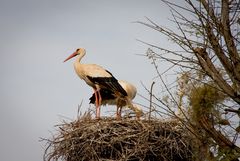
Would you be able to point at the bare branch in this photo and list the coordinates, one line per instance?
(150, 106)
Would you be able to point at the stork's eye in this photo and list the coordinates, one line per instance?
(77, 49)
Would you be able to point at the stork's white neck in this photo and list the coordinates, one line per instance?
(78, 66)
(79, 58)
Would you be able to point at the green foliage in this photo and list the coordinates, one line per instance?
(227, 154)
(203, 99)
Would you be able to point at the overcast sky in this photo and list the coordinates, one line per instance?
(38, 89)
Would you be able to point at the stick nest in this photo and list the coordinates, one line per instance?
(87, 139)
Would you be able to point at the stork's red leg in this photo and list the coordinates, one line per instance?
(97, 104)
(119, 111)
(99, 98)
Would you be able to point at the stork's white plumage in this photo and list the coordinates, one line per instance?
(97, 77)
(109, 98)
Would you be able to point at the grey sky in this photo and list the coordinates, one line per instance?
(37, 87)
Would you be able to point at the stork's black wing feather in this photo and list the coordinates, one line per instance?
(109, 83)
(105, 94)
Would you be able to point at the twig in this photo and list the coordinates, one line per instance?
(151, 94)
(232, 110)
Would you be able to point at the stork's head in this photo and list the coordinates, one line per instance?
(138, 110)
(79, 51)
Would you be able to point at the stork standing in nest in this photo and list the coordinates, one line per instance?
(109, 98)
(97, 77)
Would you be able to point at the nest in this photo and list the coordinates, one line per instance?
(87, 139)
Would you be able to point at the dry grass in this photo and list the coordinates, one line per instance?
(87, 139)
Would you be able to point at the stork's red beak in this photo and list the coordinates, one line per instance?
(71, 56)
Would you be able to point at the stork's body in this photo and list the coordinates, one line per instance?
(96, 77)
(108, 97)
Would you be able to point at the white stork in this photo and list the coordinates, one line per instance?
(97, 77)
(108, 97)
